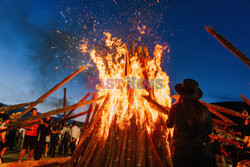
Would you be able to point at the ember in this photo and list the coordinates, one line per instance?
(125, 130)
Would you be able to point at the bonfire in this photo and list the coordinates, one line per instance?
(125, 129)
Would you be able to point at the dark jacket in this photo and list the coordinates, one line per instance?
(191, 144)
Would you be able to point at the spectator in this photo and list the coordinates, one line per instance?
(21, 134)
(64, 142)
(43, 132)
(193, 124)
(30, 137)
(75, 134)
(54, 139)
(3, 136)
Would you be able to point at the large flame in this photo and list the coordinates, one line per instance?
(126, 75)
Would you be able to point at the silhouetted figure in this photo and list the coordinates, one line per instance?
(192, 123)
(54, 140)
(75, 134)
(43, 131)
(64, 142)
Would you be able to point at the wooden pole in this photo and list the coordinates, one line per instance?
(26, 124)
(43, 97)
(222, 109)
(242, 97)
(82, 100)
(64, 101)
(91, 108)
(229, 45)
(220, 122)
(90, 129)
(221, 116)
(159, 162)
(56, 111)
(156, 106)
(70, 117)
(15, 106)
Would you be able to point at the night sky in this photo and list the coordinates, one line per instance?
(39, 44)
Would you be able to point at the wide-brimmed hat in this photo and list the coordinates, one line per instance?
(189, 89)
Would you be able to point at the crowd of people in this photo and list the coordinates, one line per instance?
(43, 139)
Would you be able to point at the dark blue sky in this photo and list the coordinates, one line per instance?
(39, 40)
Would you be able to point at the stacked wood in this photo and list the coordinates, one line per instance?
(132, 145)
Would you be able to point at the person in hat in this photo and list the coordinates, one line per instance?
(192, 124)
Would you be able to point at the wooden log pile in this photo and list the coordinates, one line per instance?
(133, 145)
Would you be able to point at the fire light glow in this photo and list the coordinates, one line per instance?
(125, 104)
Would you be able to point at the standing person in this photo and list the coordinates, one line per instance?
(64, 142)
(75, 134)
(43, 132)
(192, 124)
(21, 134)
(3, 136)
(54, 139)
(11, 138)
(30, 137)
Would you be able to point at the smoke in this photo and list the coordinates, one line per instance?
(56, 102)
(52, 51)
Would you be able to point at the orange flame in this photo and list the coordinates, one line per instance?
(123, 69)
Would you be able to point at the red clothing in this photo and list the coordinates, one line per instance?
(32, 130)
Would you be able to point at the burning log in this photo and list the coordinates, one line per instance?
(16, 106)
(156, 106)
(43, 97)
(159, 162)
(76, 155)
(229, 45)
(56, 111)
(90, 110)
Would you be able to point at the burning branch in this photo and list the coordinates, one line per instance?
(156, 106)
(229, 45)
(43, 97)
